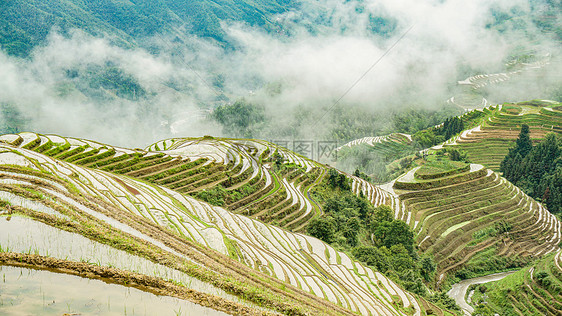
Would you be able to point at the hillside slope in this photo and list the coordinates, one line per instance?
(271, 184)
(387, 143)
(534, 290)
(239, 175)
(467, 215)
(492, 131)
(287, 272)
(481, 212)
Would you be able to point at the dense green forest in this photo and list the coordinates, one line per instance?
(26, 24)
(12, 120)
(241, 119)
(537, 170)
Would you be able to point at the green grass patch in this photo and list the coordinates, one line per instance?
(440, 168)
(487, 262)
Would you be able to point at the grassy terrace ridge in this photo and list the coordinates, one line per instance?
(489, 142)
(259, 263)
(244, 176)
(466, 216)
(438, 169)
(432, 177)
(534, 290)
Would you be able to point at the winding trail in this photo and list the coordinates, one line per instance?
(458, 291)
(409, 176)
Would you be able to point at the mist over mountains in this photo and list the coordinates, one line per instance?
(133, 72)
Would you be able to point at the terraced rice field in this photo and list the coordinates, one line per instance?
(534, 290)
(119, 223)
(149, 198)
(488, 143)
(468, 101)
(454, 217)
(379, 195)
(482, 80)
(190, 166)
(31, 292)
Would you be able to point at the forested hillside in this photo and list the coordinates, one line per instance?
(26, 24)
(537, 170)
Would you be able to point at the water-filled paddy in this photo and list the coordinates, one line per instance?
(24, 235)
(34, 292)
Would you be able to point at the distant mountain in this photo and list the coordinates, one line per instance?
(24, 24)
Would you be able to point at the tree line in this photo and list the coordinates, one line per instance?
(537, 170)
(436, 135)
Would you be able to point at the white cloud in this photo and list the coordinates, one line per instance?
(314, 68)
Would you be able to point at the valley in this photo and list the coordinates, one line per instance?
(280, 157)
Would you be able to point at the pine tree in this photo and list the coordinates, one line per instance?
(523, 143)
(510, 164)
(553, 199)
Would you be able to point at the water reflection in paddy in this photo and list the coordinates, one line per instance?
(24, 235)
(33, 292)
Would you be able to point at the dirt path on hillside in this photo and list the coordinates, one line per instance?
(409, 176)
(458, 291)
